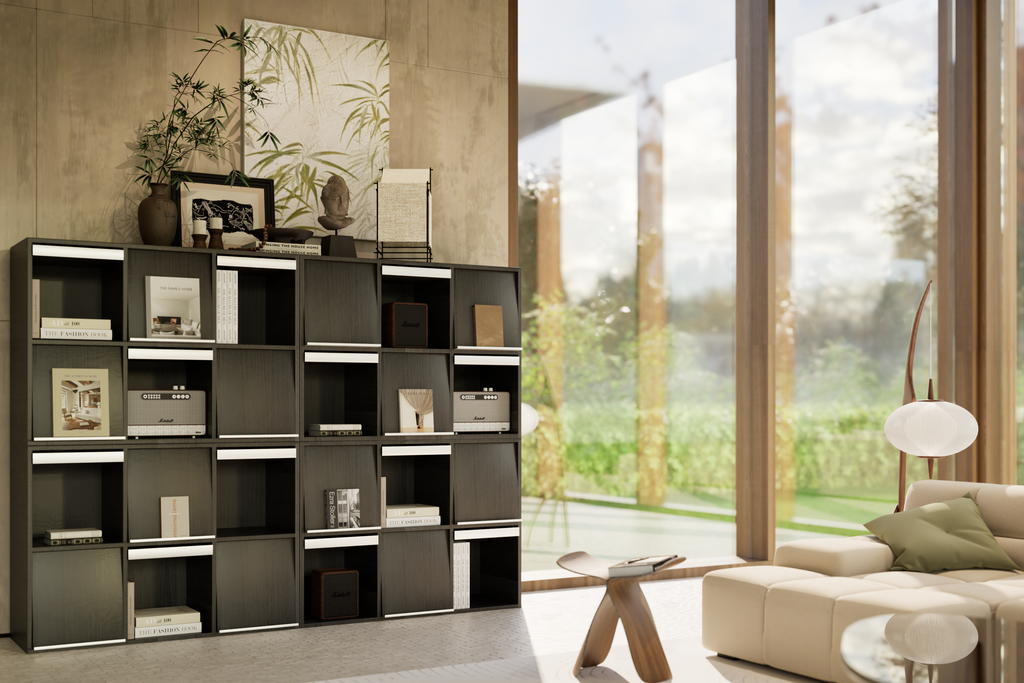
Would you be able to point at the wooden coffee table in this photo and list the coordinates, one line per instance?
(624, 600)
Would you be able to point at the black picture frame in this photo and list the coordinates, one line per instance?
(213, 180)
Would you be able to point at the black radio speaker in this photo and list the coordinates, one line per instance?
(405, 325)
(335, 593)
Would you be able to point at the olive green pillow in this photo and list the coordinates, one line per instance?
(941, 536)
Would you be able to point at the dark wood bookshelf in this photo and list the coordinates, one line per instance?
(255, 480)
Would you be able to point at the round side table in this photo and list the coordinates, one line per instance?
(624, 600)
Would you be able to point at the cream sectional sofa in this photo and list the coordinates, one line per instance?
(791, 615)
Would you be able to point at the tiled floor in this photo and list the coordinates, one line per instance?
(537, 643)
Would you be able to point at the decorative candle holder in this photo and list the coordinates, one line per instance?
(216, 242)
(199, 241)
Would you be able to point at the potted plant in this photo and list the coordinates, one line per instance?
(195, 123)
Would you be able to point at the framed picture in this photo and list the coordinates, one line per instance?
(241, 208)
(79, 400)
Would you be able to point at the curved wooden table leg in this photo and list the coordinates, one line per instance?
(644, 643)
(600, 636)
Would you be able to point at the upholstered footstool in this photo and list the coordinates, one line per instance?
(854, 607)
(734, 626)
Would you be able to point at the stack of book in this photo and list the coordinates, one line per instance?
(166, 621)
(341, 509)
(73, 536)
(461, 575)
(74, 328)
(227, 306)
(335, 430)
(413, 514)
(291, 248)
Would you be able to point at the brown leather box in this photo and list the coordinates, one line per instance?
(335, 593)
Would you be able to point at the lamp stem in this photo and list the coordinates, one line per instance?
(908, 391)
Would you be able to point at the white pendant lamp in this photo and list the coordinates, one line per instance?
(931, 429)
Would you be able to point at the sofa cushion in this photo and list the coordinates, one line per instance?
(938, 536)
(994, 593)
(836, 556)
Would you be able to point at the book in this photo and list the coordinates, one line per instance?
(172, 307)
(415, 410)
(331, 509)
(414, 521)
(35, 309)
(289, 248)
(487, 323)
(74, 533)
(639, 566)
(233, 306)
(348, 509)
(78, 400)
(75, 333)
(461, 577)
(333, 427)
(90, 540)
(130, 621)
(336, 432)
(76, 323)
(383, 502)
(165, 616)
(412, 510)
(170, 630)
(174, 521)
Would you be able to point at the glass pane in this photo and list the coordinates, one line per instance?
(627, 243)
(856, 143)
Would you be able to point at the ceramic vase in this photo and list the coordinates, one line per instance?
(158, 216)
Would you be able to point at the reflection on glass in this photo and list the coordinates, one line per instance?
(627, 243)
(856, 218)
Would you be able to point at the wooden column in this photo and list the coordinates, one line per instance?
(785, 316)
(755, 279)
(513, 133)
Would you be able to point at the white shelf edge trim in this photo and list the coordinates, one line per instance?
(89, 644)
(409, 271)
(174, 340)
(256, 628)
(170, 354)
(493, 521)
(254, 453)
(259, 436)
(79, 439)
(470, 534)
(79, 252)
(418, 436)
(417, 614)
(180, 538)
(341, 542)
(76, 458)
(327, 357)
(486, 360)
(353, 344)
(171, 551)
(335, 531)
(488, 348)
(442, 449)
(265, 263)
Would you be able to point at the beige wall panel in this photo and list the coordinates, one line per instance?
(457, 124)
(115, 10)
(5, 480)
(230, 13)
(19, 3)
(18, 140)
(469, 35)
(95, 88)
(355, 17)
(407, 31)
(80, 7)
(177, 14)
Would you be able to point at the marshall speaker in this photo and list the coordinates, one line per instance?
(167, 413)
(335, 593)
(480, 411)
(405, 325)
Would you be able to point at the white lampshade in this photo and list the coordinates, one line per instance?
(931, 429)
(530, 418)
(931, 638)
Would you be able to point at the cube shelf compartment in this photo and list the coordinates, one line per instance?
(309, 351)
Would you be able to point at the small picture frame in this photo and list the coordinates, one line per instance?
(79, 403)
(416, 411)
(241, 207)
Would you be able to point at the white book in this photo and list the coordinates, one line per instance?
(220, 307)
(165, 616)
(234, 306)
(412, 510)
(80, 323)
(87, 532)
(35, 309)
(174, 521)
(75, 333)
(173, 307)
(172, 630)
(414, 521)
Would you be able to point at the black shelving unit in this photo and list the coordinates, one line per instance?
(309, 351)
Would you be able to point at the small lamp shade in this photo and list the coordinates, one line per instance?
(931, 429)
(931, 638)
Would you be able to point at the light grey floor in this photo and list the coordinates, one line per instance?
(537, 643)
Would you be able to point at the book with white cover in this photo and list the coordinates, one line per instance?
(80, 406)
(174, 517)
(169, 630)
(414, 521)
(172, 307)
(86, 532)
(163, 616)
(412, 510)
(77, 323)
(75, 333)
